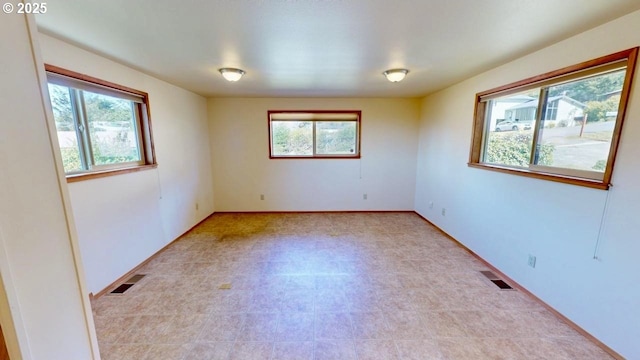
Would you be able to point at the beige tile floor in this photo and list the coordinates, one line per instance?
(325, 286)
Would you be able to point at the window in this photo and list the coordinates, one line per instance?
(102, 128)
(314, 134)
(562, 126)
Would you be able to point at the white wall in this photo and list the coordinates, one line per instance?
(504, 217)
(242, 168)
(124, 219)
(48, 316)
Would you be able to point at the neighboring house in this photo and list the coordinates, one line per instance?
(559, 108)
(500, 106)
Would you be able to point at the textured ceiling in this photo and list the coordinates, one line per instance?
(320, 47)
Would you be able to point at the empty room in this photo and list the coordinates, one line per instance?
(320, 179)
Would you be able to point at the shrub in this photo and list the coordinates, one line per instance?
(600, 165)
(70, 158)
(515, 149)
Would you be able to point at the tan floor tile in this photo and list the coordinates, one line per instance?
(210, 351)
(259, 327)
(408, 325)
(445, 324)
(124, 352)
(145, 330)
(370, 325)
(249, 350)
(296, 301)
(541, 349)
(580, 348)
(376, 350)
(333, 300)
(222, 327)
(295, 327)
(333, 326)
(501, 349)
(394, 300)
(334, 350)
(110, 328)
(419, 349)
(167, 352)
(462, 349)
(293, 351)
(182, 329)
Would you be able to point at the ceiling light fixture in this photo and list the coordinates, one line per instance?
(395, 75)
(231, 74)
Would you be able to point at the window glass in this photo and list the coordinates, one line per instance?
(292, 138)
(511, 120)
(112, 129)
(336, 137)
(314, 134)
(580, 126)
(64, 117)
(102, 127)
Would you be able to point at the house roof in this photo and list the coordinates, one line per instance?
(534, 103)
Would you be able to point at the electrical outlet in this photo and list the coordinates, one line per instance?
(532, 261)
(261, 196)
(431, 205)
(364, 196)
(444, 211)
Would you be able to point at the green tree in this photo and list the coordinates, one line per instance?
(597, 110)
(293, 138)
(336, 137)
(61, 105)
(590, 89)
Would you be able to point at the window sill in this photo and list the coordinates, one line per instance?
(113, 172)
(544, 176)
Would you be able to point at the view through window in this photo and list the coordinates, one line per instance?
(314, 134)
(99, 128)
(564, 124)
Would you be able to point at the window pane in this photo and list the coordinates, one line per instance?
(336, 137)
(579, 123)
(510, 123)
(292, 138)
(112, 129)
(63, 116)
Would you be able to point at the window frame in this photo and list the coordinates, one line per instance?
(142, 117)
(557, 174)
(315, 117)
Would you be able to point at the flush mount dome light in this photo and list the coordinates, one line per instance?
(231, 74)
(395, 75)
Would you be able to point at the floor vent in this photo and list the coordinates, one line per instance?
(502, 285)
(496, 280)
(121, 289)
(127, 284)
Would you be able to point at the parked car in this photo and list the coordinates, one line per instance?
(509, 125)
